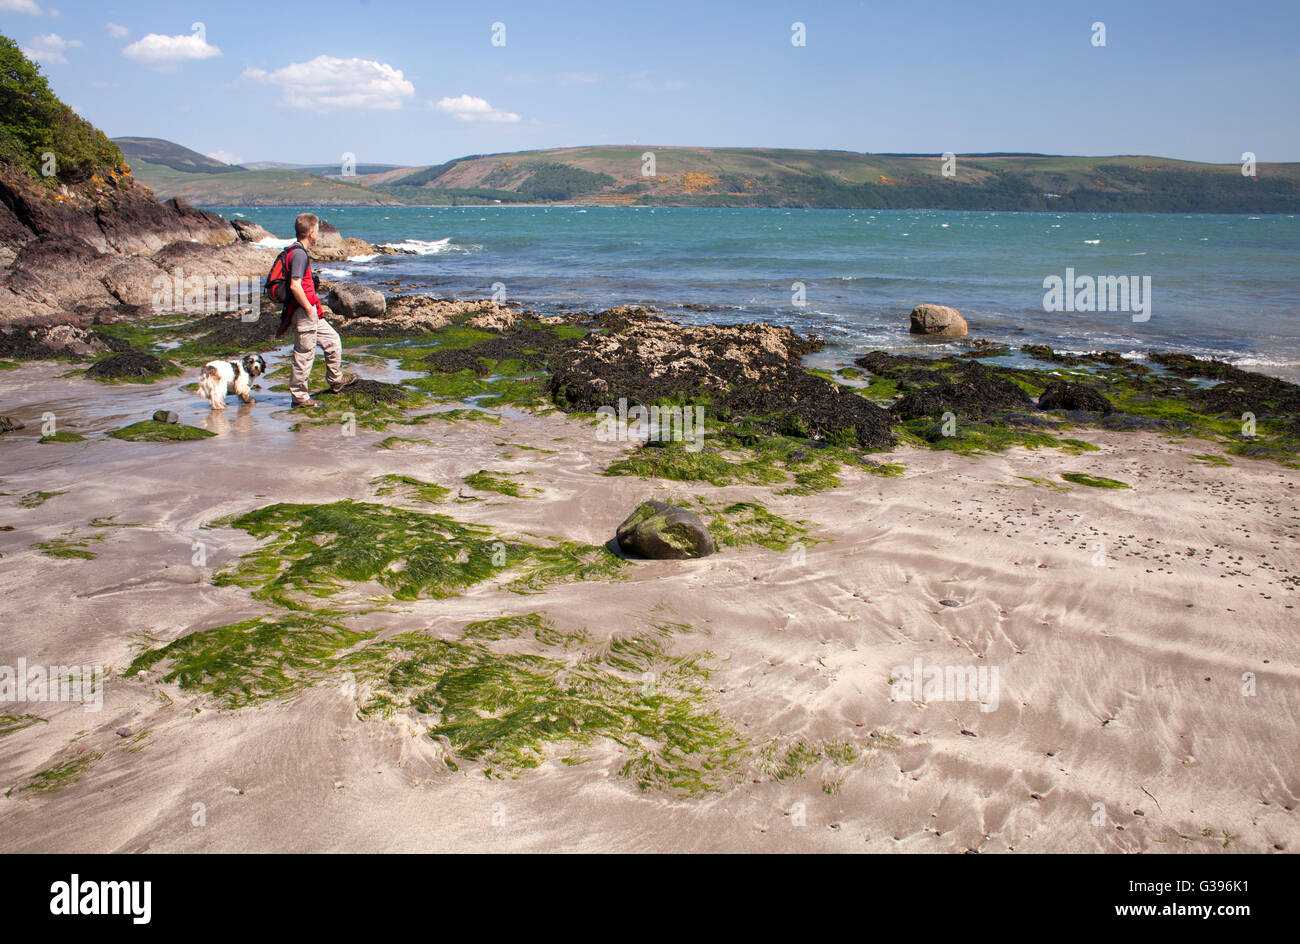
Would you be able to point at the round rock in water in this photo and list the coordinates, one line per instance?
(938, 321)
(661, 531)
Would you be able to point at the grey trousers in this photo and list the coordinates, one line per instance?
(310, 331)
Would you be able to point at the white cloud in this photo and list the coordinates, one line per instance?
(20, 6)
(166, 53)
(50, 48)
(645, 82)
(116, 31)
(225, 157)
(327, 82)
(469, 108)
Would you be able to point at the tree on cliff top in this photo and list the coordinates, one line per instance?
(34, 122)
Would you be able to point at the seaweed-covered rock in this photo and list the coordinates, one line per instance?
(976, 393)
(1042, 352)
(56, 341)
(153, 431)
(131, 365)
(751, 371)
(370, 393)
(661, 531)
(938, 321)
(1065, 395)
(532, 347)
(8, 424)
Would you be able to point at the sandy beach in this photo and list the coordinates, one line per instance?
(1142, 640)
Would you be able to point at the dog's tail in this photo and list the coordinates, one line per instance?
(209, 378)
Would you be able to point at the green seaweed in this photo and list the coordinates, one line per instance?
(154, 431)
(746, 523)
(410, 488)
(317, 550)
(59, 775)
(676, 462)
(1093, 481)
(62, 436)
(508, 713)
(36, 499)
(66, 548)
(547, 694)
(270, 657)
(12, 723)
(485, 480)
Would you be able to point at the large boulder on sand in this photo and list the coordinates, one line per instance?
(938, 321)
(659, 530)
(356, 301)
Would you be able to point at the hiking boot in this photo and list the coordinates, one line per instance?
(305, 404)
(347, 381)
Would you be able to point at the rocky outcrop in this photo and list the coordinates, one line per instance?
(494, 318)
(111, 216)
(660, 531)
(251, 232)
(82, 254)
(132, 281)
(975, 393)
(410, 314)
(745, 372)
(57, 341)
(1064, 395)
(229, 261)
(352, 300)
(60, 272)
(938, 321)
(130, 365)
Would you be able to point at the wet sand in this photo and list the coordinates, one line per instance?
(1121, 623)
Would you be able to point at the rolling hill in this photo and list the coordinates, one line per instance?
(745, 177)
(172, 170)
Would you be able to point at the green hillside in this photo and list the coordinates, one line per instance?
(798, 178)
(239, 187)
(34, 124)
(751, 177)
(158, 151)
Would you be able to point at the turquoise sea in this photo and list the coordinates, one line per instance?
(1221, 285)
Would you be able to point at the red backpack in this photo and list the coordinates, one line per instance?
(277, 286)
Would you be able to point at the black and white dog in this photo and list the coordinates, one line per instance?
(219, 376)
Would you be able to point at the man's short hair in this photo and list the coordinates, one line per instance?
(304, 224)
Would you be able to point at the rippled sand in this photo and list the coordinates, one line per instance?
(1120, 623)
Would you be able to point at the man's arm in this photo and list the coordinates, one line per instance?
(295, 286)
(298, 269)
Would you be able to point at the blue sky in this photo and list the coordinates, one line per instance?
(420, 83)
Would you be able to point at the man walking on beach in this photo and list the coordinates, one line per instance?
(309, 325)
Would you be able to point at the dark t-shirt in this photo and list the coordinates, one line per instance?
(297, 262)
(298, 270)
